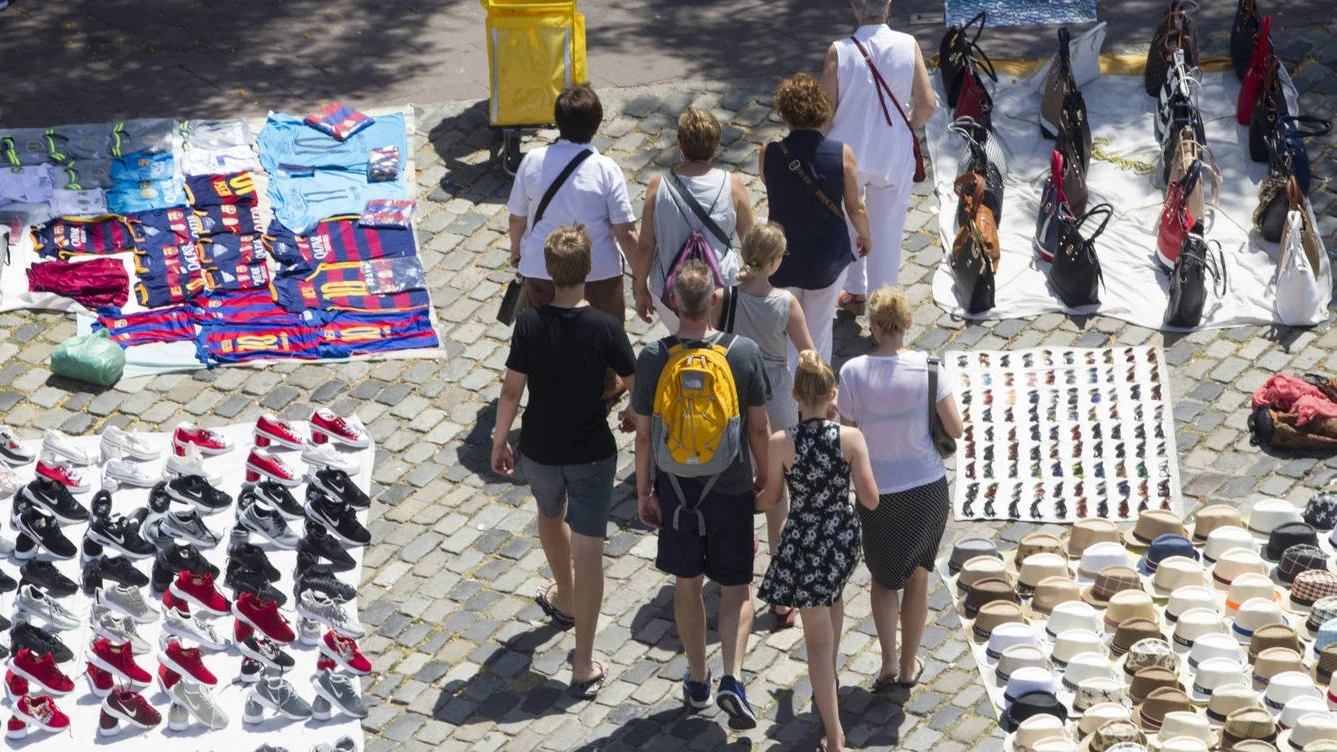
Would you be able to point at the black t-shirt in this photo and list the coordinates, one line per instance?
(565, 352)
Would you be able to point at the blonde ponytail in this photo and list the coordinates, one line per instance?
(814, 381)
(762, 245)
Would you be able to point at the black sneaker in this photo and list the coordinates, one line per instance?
(243, 580)
(101, 506)
(159, 501)
(44, 575)
(319, 544)
(321, 579)
(336, 484)
(253, 558)
(120, 534)
(92, 578)
(277, 497)
(7, 583)
(182, 556)
(337, 517)
(43, 530)
(57, 499)
(120, 570)
(266, 652)
(196, 491)
(39, 641)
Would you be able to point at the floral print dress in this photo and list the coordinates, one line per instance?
(822, 538)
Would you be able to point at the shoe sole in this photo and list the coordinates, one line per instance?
(739, 719)
(333, 655)
(172, 666)
(20, 672)
(116, 674)
(196, 602)
(276, 439)
(259, 472)
(319, 620)
(314, 514)
(16, 460)
(321, 436)
(334, 703)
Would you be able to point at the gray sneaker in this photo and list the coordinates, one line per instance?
(199, 702)
(126, 600)
(342, 744)
(278, 695)
(192, 627)
(341, 691)
(118, 628)
(186, 525)
(35, 603)
(317, 606)
(267, 523)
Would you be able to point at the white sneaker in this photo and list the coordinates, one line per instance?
(63, 447)
(129, 473)
(9, 482)
(12, 450)
(191, 464)
(117, 444)
(325, 455)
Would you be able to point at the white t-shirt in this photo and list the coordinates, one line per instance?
(595, 195)
(888, 397)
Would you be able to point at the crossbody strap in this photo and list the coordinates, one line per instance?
(932, 390)
(730, 306)
(701, 213)
(557, 184)
(796, 167)
(882, 86)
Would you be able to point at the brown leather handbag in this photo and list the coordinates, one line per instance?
(1187, 151)
(1277, 197)
(970, 195)
(1177, 30)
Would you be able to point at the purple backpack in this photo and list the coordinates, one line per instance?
(696, 246)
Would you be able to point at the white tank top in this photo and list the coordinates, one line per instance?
(881, 150)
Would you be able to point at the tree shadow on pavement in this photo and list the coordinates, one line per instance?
(457, 139)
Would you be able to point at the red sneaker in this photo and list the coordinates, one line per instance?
(264, 616)
(198, 590)
(261, 464)
(343, 651)
(207, 442)
(107, 725)
(171, 601)
(119, 661)
(62, 473)
(101, 681)
(15, 686)
(37, 712)
(41, 671)
(132, 708)
(270, 429)
(325, 425)
(185, 662)
(167, 679)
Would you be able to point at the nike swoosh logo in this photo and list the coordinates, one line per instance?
(42, 497)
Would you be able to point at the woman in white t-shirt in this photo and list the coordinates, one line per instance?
(885, 394)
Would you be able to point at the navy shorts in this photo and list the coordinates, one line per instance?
(585, 490)
(723, 551)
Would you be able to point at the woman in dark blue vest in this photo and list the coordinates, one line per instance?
(812, 185)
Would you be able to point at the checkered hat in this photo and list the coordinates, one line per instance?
(1324, 609)
(1321, 511)
(1300, 558)
(1309, 587)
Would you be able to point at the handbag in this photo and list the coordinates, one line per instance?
(983, 157)
(1183, 85)
(1176, 220)
(944, 443)
(884, 88)
(1074, 129)
(972, 273)
(1243, 36)
(1270, 106)
(1253, 77)
(1083, 57)
(1188, 281)
(1288, 144)
(1059, 82)
(1075, 272)
(1304, 274)
(972, 211)
(1188, 151)
(975, 101)
(1184, 114)
(796, 167)
(1053, 210)
(1177, 31)
(955, 50)
(1073, 178)
(1279, 195)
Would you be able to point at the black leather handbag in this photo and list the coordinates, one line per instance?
(1074, 128)
(1053, 210)
(985, 156)
(1188, 281)
(1270, 106)
(1183, 112)
(1243, 35)
(973, 272)
(1075, 272)
(958, 45)
(1288, 144)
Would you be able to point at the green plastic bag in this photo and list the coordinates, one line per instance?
(89, 357)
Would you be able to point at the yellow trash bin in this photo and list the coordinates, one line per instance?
(534, 49)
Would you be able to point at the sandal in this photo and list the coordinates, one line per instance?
(785, 620)
(589, 689)
(544, 598)
(884, 685)
(919, 672)
(855, 304)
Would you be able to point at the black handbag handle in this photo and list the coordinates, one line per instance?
(1064, 51)
(1188, 183)
(981, 17)
(1295, 125)
(987, 67)
(1107, 210)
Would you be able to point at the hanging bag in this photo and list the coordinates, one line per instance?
(1053, 210)
(954, 52)
(1188, 281)
(696, 247)
(1075, 272)
(1243, 36)
(1304, 273)
(1253, 77)
(883, 88)
(1058, 84)
(942, 441)
(1074, 178)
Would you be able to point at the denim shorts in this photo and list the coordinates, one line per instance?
(585, 490)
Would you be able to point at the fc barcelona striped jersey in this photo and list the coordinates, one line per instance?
(129, 330)
(338, 240)
(393, 284)
(67, 236)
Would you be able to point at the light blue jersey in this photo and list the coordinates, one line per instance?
(287, 144)
(300, 202)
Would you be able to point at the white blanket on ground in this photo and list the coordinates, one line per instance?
(1136, 288)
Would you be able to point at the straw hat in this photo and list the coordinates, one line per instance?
(1165, 547)
(965, 549)
(1213, 673)
(1151, 524)
(1099, 556)
(980, 568)
(1020, 656)
(1128, 604)
(1026, 680)
(1181, 724)
(1087, 532)
(1214, 645)
(1071, 643)
(1297, 560)
(1249, 585)
(1212, 517)
(1274, 661)
(1037, 543)
(1038, 567)
(992, 615)
(1049, 593)
(1029, 705)
(1308, 588)
(1248, 723)
(1191, 596)
(1132, 631)
(1324, 609)
(1008, 635)
(1112, 733)
(1325, 666)
(1109, 581)
(1223, 539)
(1101, 713)
(1148, 680)
(1233, 563)
(1150, 653)
(1229, 698)
(1073, 615)
(1035, 729)
(1267, 514)
(1150, 714)
(1298, 706)
(1309, 728)
(1193, 624)
(1085, 666)
(1285, 686)
(984, 591)
(1176, 572)
(1255, 613)
(1274, 636)
(1096, 690)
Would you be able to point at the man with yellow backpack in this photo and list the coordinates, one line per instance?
(700, 411)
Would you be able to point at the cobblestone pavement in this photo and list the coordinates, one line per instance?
(463, 657)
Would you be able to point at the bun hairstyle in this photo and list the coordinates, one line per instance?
(889, 310)
(814, 381)
(762, 244)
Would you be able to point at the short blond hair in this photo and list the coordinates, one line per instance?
(889, 310)
(698, 134)
(762, 244)
(566, 254)
(814, 381)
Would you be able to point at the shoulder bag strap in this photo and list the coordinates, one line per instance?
(796, 167)
(932, 389)
(882, 86)
(730, 305)
(681, 189)
(556, 184)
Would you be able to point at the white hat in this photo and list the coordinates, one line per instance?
(1038, 566)
(1072, 642)
(1073, 615)
(1286, 686)
(1100, 714)
(1223, 539)
(1234, 563)
(1193, 624)
(1267, 514)
(1100, 556)
(1018, 656)
(1055, 744)
(1308, 728)
(1005, 636)
(1254, 613)
(1181, 724)
(1211, 674)
(1192, 596)
(1215, 645)
(1298, 706)
(1176, 572)
(1033, 729)
(1095, 691)
(1249, 585)
(1029, 679)
(1085, 666)
(1331, 694)
(1182, 744)
(1128, 604)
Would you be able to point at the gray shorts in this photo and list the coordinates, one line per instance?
(585, 490)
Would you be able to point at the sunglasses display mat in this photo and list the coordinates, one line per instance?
(1060, 434)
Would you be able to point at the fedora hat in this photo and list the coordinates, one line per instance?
(965, 549)
(1213, 516)
(1101, 713)
(1030, 705)
(1274, 636)
(1299, 559)
(1151, 653)
(1180, 724)
(1113, 733)
(1073, 642)
(1267, 515)
(1073, 615)
(1308, 728)
(985, 591)
(1213, 673)
(1109, 581)
(1298, 706)
(1028, 679)
(1224, 539)
(1325, 665)
(1191, 596)
(1132, 631)
(1100, 556)
(1096, 690)
(1150, 713)
(1151, 524)
(1038, 567)
(1234, 563)
(1321, 511)
(1248, 586)
(1248, 723)
(1085, 666)
(991, 616)
(1035, 729)
(1088, 532)
(1331, 694)
(1214, 645)
(1164, 547)
(1036, 543)
(1274, 661)
(1182, 744)
(1253, 614)
(1309, 587)
(1176, 572)
(981, 568)
(1128, 604)
(1322, 745)
(1229, 698)
(1288, 534)
(1323, 610)
(1049, 594)
(1020, 656)
(1193, 624)
(1148, 680)
(1007, 635)
(1285, 686)
(1326, 635)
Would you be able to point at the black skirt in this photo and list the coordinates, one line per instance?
(904, 532)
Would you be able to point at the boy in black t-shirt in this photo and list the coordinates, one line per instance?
(561, 352)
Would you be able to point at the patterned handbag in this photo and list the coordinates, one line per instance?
(1243, 36)
(1184, 113)
(1177, 30)
(1183, 85)
(972, 211)
(1279, 195)
(1176, 219)
(984, 157)
(1187, 152)
(957, 46)
(1053, 210)
(1253, 77)
(1075, 272)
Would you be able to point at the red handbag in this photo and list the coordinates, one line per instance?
(1253, 78)
(1176, 218)
(974, 101)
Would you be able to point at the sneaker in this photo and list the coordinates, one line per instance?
(119, 661)
(40, 670)
(117, 627)
(100, 683)
(205, 441)
(9, 482)
(8, 583)
(695, 694)
(44, 575)
(152, 532)
(319, 607)
(121, 534)
(127, 473)
(43, 535)
(317, 544)
(320, 578)
(277, 496)
(101, 505)
(253, 558)
(186, 524)
(199, 702)
(131, 708)
(179, 556)
(185, 661)
(58, 447)
(326, 426)
(56, 498)
(341, 692)
(270, 429)
(190, 463)
(240, 580)
(264, 616)
(267, 652)
(732, 700)
(31, 602)
(198, 590)
(344, 743)
(338, 518)
(118, 444)
(198, 492)
(264, 521)
(11, 449)
(337, 484)
(120, 570)
(36, 712)
(192, 627)
(24, 635)
(278, 695)
(343, 651)
(127, 600)
(63, 473)
(325, 455)
(262, 464)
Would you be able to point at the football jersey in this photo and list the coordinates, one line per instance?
(221, 250)
(137, 168)
(238, 219)
(87, 203)
(83, 174)
(216, 190)
(150, 134)
(338, 240)
(229, 343)
(162, 227)
(129, 198)
(242, 307)
(176, 290)
(26, 185)
(70, 142)
(25, 146)
(66, 236)
(343, 334)
(380, 285)
(163, 262)
(217, 147)
(290, 145)
(128, 330)
(236, 277)
(301, 202)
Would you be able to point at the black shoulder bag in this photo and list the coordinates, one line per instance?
(729, 314)
(945, 444)
(1075, 272)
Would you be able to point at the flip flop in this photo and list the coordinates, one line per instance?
(855, 304)
(882, 686)
(589, 689)
(544, 598)
(919, 672)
